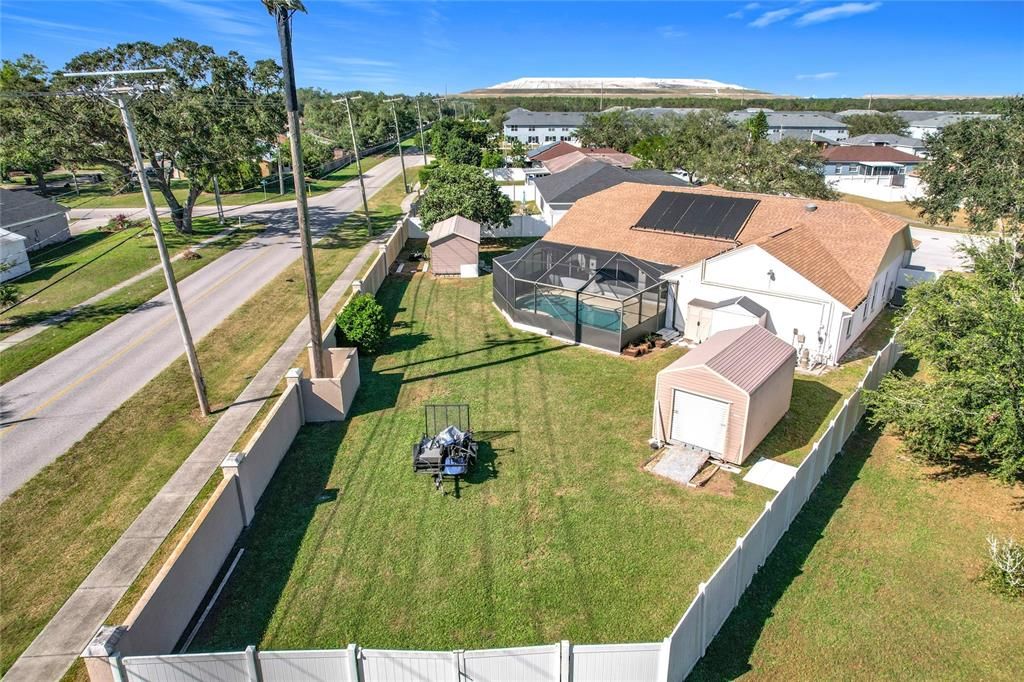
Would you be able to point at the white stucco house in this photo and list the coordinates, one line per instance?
(816, 274)
(534, 128)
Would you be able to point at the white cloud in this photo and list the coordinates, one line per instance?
(359, 61)
(847, 9)
(751, 5)
(823, 76)
(671, 32)
(223, 19)
(775, 15)
(738, 14)
(43, 23)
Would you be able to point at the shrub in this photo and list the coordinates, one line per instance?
(1005, 571)
(363, 324)
(117, 223)
(426, 171)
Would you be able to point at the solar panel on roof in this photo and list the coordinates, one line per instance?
(700, 215)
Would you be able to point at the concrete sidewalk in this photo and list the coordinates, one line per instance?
(70, 630)
(29, 332)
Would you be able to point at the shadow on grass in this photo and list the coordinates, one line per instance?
(730, 653)
(810, 406)
(272, 542)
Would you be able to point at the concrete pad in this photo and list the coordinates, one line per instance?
(679, 464)
(64, 634)
(770, 474)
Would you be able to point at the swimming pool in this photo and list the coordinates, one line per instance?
(564, 308)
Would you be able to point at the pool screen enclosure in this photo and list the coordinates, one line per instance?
(599, 298)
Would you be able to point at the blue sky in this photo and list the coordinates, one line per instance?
(811, 48)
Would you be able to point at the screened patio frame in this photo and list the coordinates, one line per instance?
(600, 298)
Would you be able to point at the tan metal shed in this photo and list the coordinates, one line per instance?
(454, 246)
(724, 396)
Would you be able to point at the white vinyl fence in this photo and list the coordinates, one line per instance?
(668, 661)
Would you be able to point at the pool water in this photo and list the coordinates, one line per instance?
(564, 308)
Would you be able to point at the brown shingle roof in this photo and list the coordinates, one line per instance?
(838, 247)
(554, 151)
(856, 153)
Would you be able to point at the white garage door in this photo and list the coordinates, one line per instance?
(699, 421)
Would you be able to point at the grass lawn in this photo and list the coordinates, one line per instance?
(57, 526)
(559, 534)
(384, 207)
(902, 209)
(99, 196)
(878, 578)
(135, 256)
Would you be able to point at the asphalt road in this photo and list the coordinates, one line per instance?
(48, 409)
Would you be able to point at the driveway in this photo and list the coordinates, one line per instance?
(937, 250)
(48, 409)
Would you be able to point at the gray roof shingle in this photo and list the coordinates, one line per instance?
(591, 176)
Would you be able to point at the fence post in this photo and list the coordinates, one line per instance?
(564, 657)
(664, 654)
(102, 660)
(460, 664)
(293, 377)
(352, 663)
(702, 628)
(739, 572)
(250, 664)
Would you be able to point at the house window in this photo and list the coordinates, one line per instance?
(563, 138)
(864, 313)
(531, 129)
(849, 327)
(532, 139)
(549, 138)
(565, 130)
(514, 128)
(874, 293)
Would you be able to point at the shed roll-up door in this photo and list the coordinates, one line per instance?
(699, 421)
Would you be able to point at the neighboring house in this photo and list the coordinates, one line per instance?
(534, 128)
(903, 143)
(602, 154)
(846, 113)
(821, 271)
(558, 192)
(878, 172)
(42, 222)
(454, 247)
(13, 255)
(551, 152)
(662, 112)
(801, 125)
(921, 128)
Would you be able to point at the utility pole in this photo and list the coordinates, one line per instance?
(359, 166)
(423, 140)
(220, 206)
(282, 11)
(118, 94)
(398, 138)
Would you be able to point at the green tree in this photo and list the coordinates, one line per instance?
(617, 128)
(492, 158)
(757, 126)
(977, 165)
(363, 323)
(30, 138)
(877, 124)
(315, 152)
(517, 154)
(214, 112)
(467, 191)
(968, 331)
(461, 151)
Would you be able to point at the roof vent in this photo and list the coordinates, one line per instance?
(810, 208)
